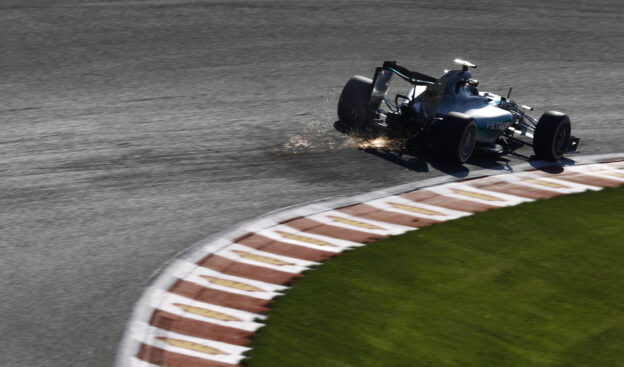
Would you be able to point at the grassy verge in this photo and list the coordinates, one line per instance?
(540, 284)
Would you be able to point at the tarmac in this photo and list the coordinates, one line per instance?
(133, 130)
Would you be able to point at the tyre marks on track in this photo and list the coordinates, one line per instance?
(208, 313)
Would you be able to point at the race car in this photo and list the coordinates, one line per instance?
(450, 114)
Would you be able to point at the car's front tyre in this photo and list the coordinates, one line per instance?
(552, 136)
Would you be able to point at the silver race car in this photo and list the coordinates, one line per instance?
(450, 114)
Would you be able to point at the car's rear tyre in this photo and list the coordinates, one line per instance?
(456, 137)
(353, 104)
(552, 136)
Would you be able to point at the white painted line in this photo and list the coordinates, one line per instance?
(466, 192)
(397, 204)
(537, 181)
(616, 165)
(347, 221)
(290, 235)
(247, 255)
(599, 170)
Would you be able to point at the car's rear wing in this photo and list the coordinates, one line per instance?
(412, 77)
(383, 74)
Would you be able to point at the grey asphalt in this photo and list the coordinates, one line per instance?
(130, 130)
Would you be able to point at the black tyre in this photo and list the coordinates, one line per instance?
(456, 137)
(353, 104)
(552, 136)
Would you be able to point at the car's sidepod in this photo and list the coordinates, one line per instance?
(459, 97)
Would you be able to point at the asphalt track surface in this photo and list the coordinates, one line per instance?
(132, 130)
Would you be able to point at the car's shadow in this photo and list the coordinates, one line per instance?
(424, 160)
(553, 167)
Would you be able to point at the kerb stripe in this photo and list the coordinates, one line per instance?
(242, 270)
(370, 212)
(219, 297)
(166, 358)
(262, 243)
(199, 329)
(312, 226)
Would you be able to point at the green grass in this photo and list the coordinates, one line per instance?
(539, 284)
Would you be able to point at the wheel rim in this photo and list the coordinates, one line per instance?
(468, 142)
(562, 136)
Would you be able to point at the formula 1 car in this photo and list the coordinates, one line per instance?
(450, 114)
